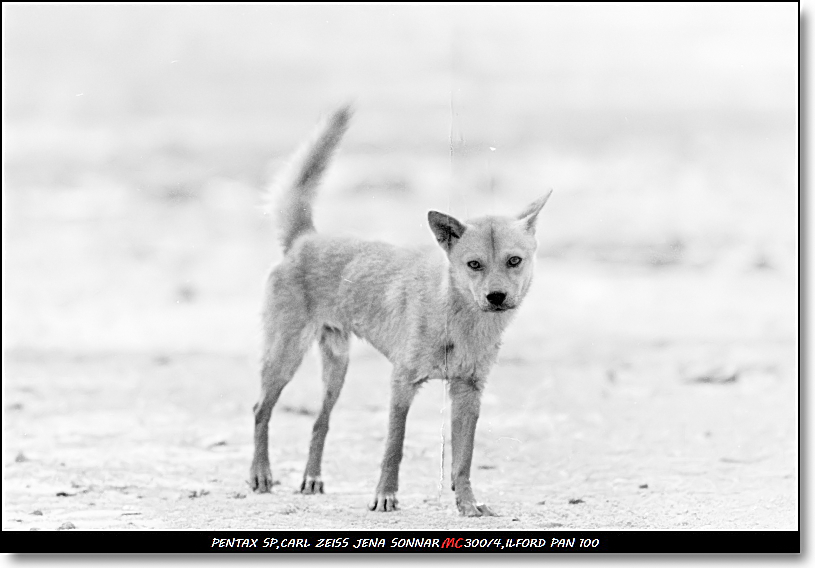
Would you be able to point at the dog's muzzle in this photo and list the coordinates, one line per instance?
(497, 302)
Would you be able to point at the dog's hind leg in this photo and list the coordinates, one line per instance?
(334, 345)
(402, 392)
(284, 353)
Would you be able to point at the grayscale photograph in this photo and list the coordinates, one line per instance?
(410, 267)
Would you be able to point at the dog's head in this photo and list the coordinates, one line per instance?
(491, 258)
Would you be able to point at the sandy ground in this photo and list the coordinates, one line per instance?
(141, 442)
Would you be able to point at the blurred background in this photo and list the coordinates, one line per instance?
(660, 335)
(138, 139)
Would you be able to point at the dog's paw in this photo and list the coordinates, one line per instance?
(311, 485)
(473, 509)
(260, 478)
(384, 503)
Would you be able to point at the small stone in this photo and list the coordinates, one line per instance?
(186, 293)
(37, 512)
(162, 360)
(66, 526)
(716, 375)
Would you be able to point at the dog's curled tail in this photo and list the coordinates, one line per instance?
(295, 185)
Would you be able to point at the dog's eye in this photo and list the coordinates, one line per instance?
(474, 264)
(514, 261)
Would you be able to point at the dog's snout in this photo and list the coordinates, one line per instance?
(496, 298)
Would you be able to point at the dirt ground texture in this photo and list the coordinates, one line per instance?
(649, 380)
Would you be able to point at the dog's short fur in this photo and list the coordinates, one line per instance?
(434, 316)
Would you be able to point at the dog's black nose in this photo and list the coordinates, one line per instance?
(496, 298)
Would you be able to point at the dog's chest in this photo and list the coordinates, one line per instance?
(465, 352)
(463, 362)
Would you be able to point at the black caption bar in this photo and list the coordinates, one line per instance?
(438, 542)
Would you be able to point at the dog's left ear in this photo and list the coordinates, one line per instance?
(529, 216)
(448, 230)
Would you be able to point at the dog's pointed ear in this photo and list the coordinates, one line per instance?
(448, 230)
(529, 216)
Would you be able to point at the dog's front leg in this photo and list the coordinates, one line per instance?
(402, 393)
(466, 404)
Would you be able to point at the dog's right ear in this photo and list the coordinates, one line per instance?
(448, 230)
